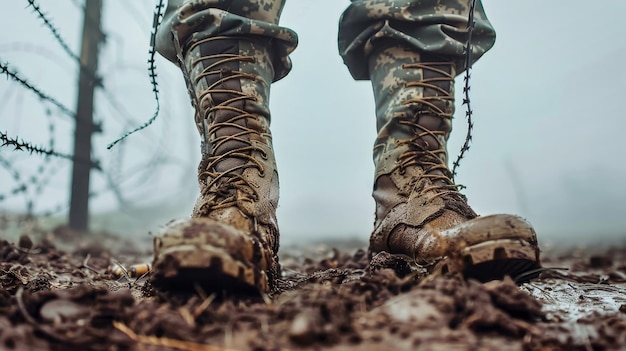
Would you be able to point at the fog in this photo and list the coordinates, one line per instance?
(547, 144)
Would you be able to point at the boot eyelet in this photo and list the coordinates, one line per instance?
(261, 172)
(264, 155)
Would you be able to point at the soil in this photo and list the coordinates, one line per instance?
(58, 293)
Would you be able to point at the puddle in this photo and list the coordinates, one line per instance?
(571, 301)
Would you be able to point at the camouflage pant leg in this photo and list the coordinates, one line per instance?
(434, 26)
(193, 20)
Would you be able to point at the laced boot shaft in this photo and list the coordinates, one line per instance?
(230, 80)
(413, 185)
(419, 210)
(232, 236)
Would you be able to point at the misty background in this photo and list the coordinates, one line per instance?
(548, 108)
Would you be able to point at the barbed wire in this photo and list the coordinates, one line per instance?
(39, 180)
(466, 88)
(25, 184)
(22, 145)
(20, 188)
(48, 23)
(17, 178)
(55, 33)
(156, 21)
(40, 50)
(33, 184)
(14, 75)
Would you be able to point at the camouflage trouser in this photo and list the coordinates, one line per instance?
(434, 26)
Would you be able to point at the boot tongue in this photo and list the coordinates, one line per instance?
(238, 101)
(230, 143)
(226, 138)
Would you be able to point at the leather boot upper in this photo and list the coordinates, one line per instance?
(235, 215)
(414, 191)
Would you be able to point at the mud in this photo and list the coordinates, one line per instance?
(59, 295)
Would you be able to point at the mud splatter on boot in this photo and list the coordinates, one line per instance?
(419, 210)
(231, 241)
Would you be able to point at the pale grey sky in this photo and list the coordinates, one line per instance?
(547, 100)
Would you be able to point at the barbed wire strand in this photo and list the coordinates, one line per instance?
(40, 50)
(22, 145)
(158, 16)
(14, 75)
(37, 180)
(466, 89)
(55, 32)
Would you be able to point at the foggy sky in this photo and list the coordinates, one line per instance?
(547, 99)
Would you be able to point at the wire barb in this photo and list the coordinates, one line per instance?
(22, 145)
(158, 16)
(14, 75)
(466, 88)
(48, 23)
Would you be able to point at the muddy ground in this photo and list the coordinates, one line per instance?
(57, 293)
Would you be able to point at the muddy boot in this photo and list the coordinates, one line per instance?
(231, 241)
(419, 210)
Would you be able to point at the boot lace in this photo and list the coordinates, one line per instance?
(226, 188)
(431, 158)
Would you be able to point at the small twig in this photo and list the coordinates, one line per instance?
(204, 305)
(44, 329)
(609, 288)
(545, 294)
(28, 251)
(187, 316)
(124, 270)
(538, 270)
(165, 342)
(22, 307)
(85, 265)
(125, 275)
(201, 293)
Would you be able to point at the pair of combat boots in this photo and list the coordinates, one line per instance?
(231, 240)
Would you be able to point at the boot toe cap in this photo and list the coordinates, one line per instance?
(211, 254)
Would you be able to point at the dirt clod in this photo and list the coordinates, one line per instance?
(332, 299)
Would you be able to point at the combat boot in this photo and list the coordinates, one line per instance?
(419, 210)
(231, 240)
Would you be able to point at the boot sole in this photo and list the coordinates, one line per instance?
(212, 269)
(493, 260)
